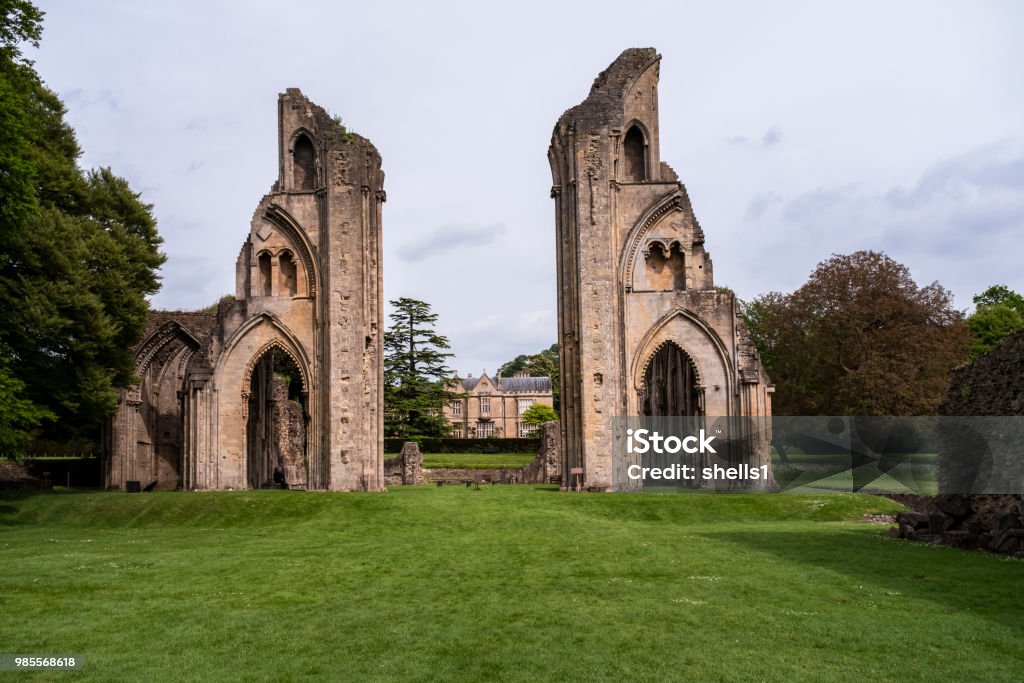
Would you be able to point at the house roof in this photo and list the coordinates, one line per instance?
(509, 385)
(533, 385)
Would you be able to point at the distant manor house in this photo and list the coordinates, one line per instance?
(494, 407)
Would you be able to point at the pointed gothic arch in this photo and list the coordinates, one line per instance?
(303, 163)
(671, 385)
(635, 155)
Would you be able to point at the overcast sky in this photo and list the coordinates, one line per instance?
(800, 129)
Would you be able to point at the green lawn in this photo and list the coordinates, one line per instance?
(476, 460)
(502, 583)
(907, 473)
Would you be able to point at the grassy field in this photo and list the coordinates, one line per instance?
(907, 473)
(476, 460)
(502, 583)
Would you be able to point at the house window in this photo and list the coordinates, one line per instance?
(485, 405)
(484, 430)
(524, 403)
(456, 407)
(457, 430)
(526, 431)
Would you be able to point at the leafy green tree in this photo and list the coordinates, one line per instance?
(538, 414)
(998, 295)
(858, 338)
(999, 311)
(415, 375)
(79, 254)
(543, 364)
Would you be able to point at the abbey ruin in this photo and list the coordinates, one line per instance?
(289, 371)
(642, 329)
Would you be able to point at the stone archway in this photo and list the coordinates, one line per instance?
(671, 385)
(276, 420)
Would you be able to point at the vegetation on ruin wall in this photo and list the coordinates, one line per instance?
(998, 311)
(502, 583)
(79, 254)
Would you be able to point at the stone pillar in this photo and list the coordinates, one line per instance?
(412, 463)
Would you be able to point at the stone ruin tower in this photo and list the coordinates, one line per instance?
(288, 371)
(642, 329)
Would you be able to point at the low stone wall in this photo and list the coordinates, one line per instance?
(498, 475)
(406, 468)
(546, 468)
(973, 522)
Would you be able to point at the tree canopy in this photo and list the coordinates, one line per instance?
(538, 414)
(860, 337)
(415, 375)
(79, 254)
(999, 311)
(542, 364)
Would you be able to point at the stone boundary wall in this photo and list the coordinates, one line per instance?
(407, 467)
(973, 522)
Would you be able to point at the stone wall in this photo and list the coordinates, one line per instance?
(992, 385)
(546, 468)
(635, 283)
(406, 468)
(307, 285)
(972, 522)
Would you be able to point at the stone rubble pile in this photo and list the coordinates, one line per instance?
(974, 522)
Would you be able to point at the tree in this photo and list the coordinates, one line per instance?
(858, 338)
(415, 375)
(79, 254)
(543, 364)
(999, 311)
(538, 414)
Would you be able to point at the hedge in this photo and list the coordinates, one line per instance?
(434, 445)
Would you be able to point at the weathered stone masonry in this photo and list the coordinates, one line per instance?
(642, 329)
(308, 294)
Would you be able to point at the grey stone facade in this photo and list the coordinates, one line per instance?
(308, 294)
(642, 328)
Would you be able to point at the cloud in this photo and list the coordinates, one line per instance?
(961, 221)
(494, 338)
(761, 203)
(771, 137)
(449, 238)
(988, 174)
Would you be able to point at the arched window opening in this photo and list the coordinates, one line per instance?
(635, 155)
(666, 268)
(287, 274)
(266, 285)
(304, 161)
(670, 385)
(276, 427)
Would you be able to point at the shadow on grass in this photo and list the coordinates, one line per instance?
(961, 581)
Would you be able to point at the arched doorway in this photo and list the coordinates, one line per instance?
(276, 426)
(671, 386)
